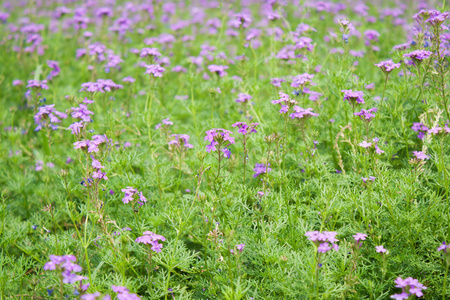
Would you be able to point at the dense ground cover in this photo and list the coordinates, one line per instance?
(224, 150)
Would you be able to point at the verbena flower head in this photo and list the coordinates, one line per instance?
(218, 69)
(366, 115)
(420, 155)
(325, 240)
(155, 70)
(360, 237)
(285, 102)
(37, 84)
(65, 264)
(244, 129)
(150, 238)
(388, 66)
(443, 247)
(123, 293)
(218, 136)
(353, 97)
(132, 194)
(418, 56)
(421, 128)
(437, 20)
(243, 98)
(181, 138)
(261, 169)
(302, 80)
(410, 287)
(380, 249)
(302, 113)
(49, 113)
(240, 247)
(150, 52)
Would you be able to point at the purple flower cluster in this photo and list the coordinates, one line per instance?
(387, 66)
(373, 144)
(150, 238)
(155, 70)
(421, 128)
(359, 237)
(92, 145)
(243, 98)
(101, 86)
(302, 80)
(285, 102)
(418, 55)
(261, 169)
(218, 69)
(181, 138)
(37, 84)
(150, 52)
(420, 155)
(410, 287)
(48, 112)
(165, 122)
(216, 137)
(301, 113)
(244, 129)
(130, 195)
(323, 240)
(54, 65)
(123, 293)
(353, 97)
(66, 264)
(366, 115)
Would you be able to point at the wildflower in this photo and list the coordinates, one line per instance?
(67, 267)
(421, 128)
(302, 80)
(244, 129)
(243, 98)
(301, 113)
(353, 97)
(150, 238)
(219, 70)
(36, 84)
(388, 66)
(277, 81)
(323, 240)
(76, 127)
(218, 136)
(443, 247)
(418, 56)
(360, 237)
(380, 249)
(261, 169)
(155, 70)
(181, 138)
(437, 20)
(420, 155)
(240, 247)
(130, 195)
(409, 286)
(48, 112)
(365, 144)
(150, 52)
(366, 115)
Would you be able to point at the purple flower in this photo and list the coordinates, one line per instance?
(130, 193)
(324, 248)
(181, 138)
(443, 247)
(409, 286)
(226, 152)
(365, 144)
(218, 69)
(76, 127)
(50, 114)
(36, 84)
(240, 247)
(277, 81)
(301, 113)
(216, 136)
(243, 98)
(366, 115)
(387, 66)
(150, 52)
(353, 97)
(155, 70)
(418, 55)
(420, 155)
(54, 65)
(244, 129)
(150, 238)
(261, 169)
(360, 237)
(380, 249)
(302, 80)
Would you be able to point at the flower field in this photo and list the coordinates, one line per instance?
(245, 149)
